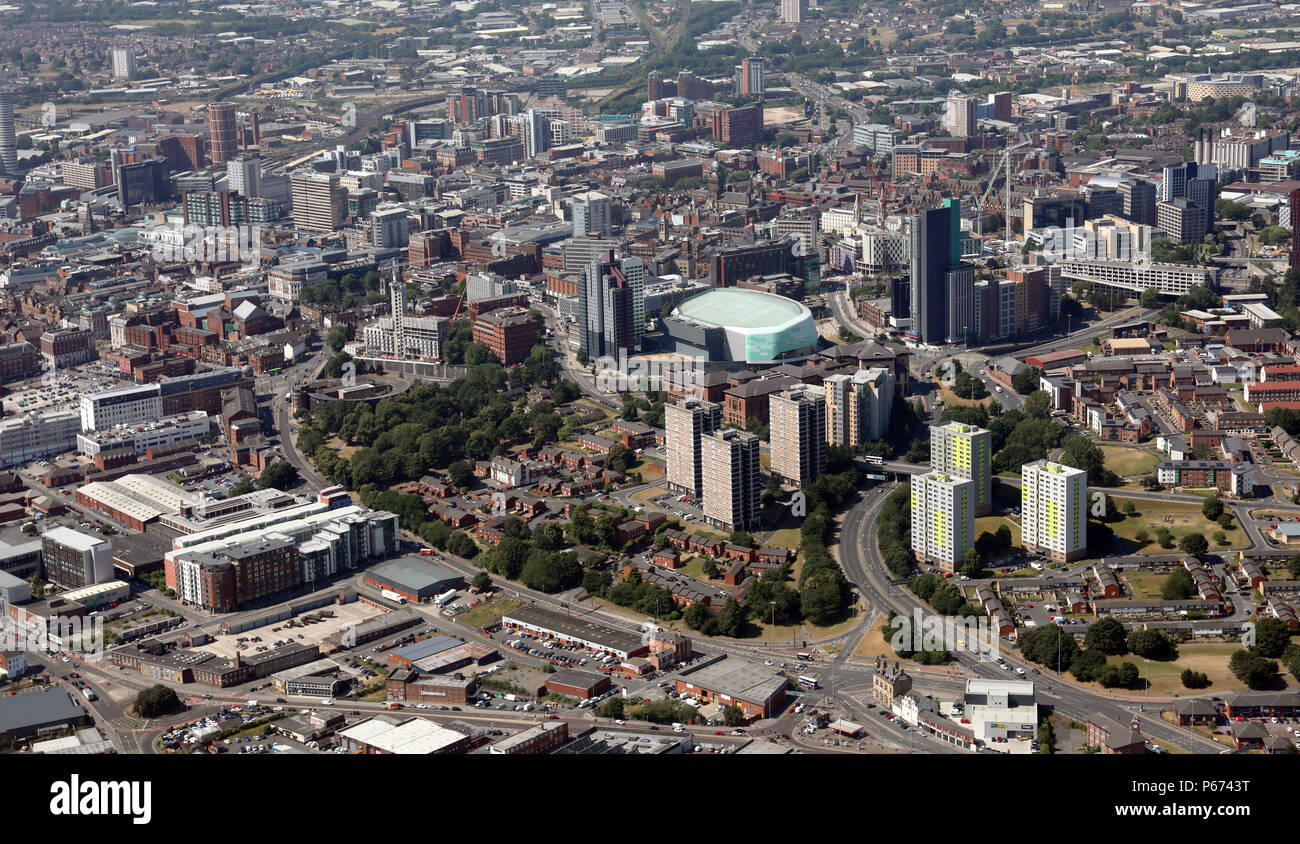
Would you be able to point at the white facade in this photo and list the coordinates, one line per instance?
(123, 63)
(591, 215)
(32, 437)
(943, 518)
(1054, 509)
(124, 406)
(967, 452)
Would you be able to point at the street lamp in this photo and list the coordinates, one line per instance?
(773, 603)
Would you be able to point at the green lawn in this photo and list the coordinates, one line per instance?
(1146, 584)
(1180, 518)
(992, 523)
(1129, 462)
(1166, 677)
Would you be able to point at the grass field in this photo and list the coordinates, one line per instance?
(1146, 584)
(489, 612)
(1180, 518)
(1166, 677)
(1129, 462)
(343, 451)
(992, 523)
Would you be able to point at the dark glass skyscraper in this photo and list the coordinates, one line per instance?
(941, 307)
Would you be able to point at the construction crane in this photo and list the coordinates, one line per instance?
(1004, 162)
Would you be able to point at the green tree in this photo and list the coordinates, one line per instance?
(1212, 508)
(1272, 637)
(337, 337)
(156, 701)
(1122, 675)
(1194, 543)
(733, 716)
(1252, 669)
(1152, 644)
(1087, 665)
(732, 620)
(481, 582)
(1195, 679)
(1178, 586)
(1106, 636)
(279, 475)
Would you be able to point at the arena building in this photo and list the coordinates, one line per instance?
(734, 324)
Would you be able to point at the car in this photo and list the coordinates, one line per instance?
(1036, 671)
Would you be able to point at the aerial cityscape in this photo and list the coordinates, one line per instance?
(649, 377)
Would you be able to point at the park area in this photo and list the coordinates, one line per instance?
(1209, 658)
(1141, 527)
(1129, 462)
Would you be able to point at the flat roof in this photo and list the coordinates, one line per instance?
(73, 538)
(737, 678)
(413, 573)
(412, 738)
(425, 647)
(577, 679)
(575, 627)
(34, 709)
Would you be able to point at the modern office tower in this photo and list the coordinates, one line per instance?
(858, 406)
(1054, 510)
(73, 559)
(793, 11)
(8, 136)
(1174, 180)
(749, 77)
(942, 307)
(223, 132)
(612, 306)
(1139, 198)
(319, 202)
(140, 181)
(536, 132)
(390, 227)
(244, 175)
(965, 451)
(123, 63)
(685, 422)
(943, 519)
(591, 215)
(732, 481)
(962, 122)
(798, 433)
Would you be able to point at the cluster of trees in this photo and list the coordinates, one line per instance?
(1257, 665)
(894, 531)
(430, 426)
(157, 701)
(729, 621)
(345, 292)
(536, 558)
(968, 387)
